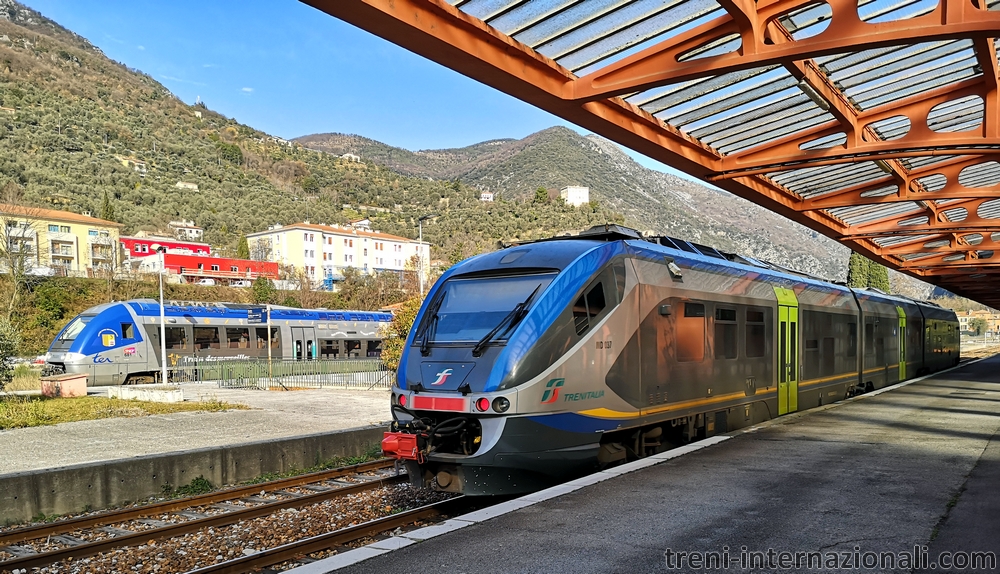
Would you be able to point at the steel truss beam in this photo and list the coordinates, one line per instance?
(444, 34)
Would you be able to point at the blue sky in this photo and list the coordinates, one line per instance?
(285, 68)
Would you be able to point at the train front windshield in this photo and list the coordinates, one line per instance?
(72, 331)
(468, 309)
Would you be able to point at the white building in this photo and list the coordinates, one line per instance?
(486, 196)
(575, 195)
(324, 251)
(186, 230)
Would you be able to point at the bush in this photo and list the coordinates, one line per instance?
(395, 333)
(10, 340)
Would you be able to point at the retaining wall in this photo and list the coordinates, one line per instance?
(75, 488)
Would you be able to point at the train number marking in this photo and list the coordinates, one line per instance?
(604, 344)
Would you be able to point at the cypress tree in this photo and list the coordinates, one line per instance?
(857, 271)
(243, 248)
(107, 208)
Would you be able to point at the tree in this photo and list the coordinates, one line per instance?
(10, 340)
(541, 195)
(20, 248)
(857, 271)
(107, 208)
(243, 248)
(863, 272)
(979, 325)
(262, 291)
(394, 334)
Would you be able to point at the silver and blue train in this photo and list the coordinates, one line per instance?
(119, 343)
(550, 359)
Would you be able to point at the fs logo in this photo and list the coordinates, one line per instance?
(442, 377)
(551, 393)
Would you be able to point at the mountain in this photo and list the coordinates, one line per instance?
(75, 125)
(650, 200)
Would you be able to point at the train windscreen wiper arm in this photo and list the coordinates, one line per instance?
(430, 325)
(511, 321)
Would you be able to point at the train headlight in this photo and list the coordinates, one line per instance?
(74, 357)
(501, 404)
(482, 404)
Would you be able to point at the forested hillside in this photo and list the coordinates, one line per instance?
(75, 125)
(650, 200)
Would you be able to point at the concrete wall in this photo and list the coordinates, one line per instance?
(101, 485)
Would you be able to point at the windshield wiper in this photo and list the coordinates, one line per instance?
(510, 321)
(432, 319)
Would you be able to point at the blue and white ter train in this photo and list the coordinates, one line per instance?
(119, 343)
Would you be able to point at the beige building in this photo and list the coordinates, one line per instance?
(50, 242)
(324, 251)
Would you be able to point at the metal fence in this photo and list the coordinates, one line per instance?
(281, 374)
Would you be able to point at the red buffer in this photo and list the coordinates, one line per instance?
(401, 446)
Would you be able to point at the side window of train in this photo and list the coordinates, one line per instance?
(690, 337)
(869, 336)
(726, 333)
(756, 345)
(128, 331)
(588, 307)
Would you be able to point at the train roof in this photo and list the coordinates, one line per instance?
(151, 307)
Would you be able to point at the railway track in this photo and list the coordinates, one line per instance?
(43, 545)
(295, 551)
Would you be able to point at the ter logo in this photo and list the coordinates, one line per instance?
(551, 393)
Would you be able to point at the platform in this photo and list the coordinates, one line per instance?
(272, 415)
(99, 463)
(911, 471)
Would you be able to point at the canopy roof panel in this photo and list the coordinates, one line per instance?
(873, 122)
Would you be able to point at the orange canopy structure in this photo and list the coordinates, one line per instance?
(873, 122)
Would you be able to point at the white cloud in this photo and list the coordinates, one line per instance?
(141, 47)
(247, 90)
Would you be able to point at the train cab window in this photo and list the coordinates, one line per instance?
(726, 333)
(238, 338)
(588, 306)
(128, 331)
(206, 338)
(261, 334)
(176, 338)
(756, 345)
(691, 333)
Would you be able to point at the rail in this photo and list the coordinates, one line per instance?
(364, 374)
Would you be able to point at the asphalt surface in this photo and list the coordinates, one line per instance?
(272, 414)
(913, 470)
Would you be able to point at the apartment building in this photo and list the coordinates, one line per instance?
(51, 242)
(322, 252)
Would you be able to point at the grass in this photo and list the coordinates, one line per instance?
(22, 412)
(26, 378)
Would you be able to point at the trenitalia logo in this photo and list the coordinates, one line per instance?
(551, 394)
(442, 377)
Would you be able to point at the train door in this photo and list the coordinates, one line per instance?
(304, 343)
(788, 351)
(902, 343)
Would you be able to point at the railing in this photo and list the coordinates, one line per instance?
(363, 374)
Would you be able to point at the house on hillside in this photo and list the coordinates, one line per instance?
(185, 229)
(486, 196)
(575, 195)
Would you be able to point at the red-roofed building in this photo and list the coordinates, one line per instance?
(322, 252)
